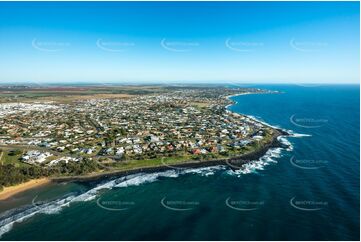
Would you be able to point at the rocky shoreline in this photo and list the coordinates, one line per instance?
(232, 163)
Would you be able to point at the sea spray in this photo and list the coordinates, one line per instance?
(56, 206)
(9, 218)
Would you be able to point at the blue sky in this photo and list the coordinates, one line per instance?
(106, 42)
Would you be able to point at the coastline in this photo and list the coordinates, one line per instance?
(283, 131)
(236, 161)
(232, 162)
(8, 192)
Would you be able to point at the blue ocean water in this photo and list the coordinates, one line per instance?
(308, 193)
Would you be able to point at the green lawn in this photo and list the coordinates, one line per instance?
(150, 162)
(11, 159)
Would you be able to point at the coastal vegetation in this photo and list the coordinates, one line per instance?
(107, 130)
(11, 174)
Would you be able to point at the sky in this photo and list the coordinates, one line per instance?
(131, 42)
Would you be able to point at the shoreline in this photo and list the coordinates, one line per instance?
(240, 160)
(237, 161)
(285, 132)
(8, 192)
(231, 162)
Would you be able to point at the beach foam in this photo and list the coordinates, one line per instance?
(254, 166)
(271, 154)
(17, 216)
(143, 178)
(9, 218)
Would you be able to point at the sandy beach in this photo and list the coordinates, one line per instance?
(8, 192)
(11, 191)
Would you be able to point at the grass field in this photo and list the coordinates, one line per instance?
(74, 93)
(149, 162)
(7, 158)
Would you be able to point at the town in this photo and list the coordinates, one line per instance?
(179, 123)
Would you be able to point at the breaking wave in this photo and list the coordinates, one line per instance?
(296, 135)
(259, 120)
(259, 164)
(8, 219)
(271, 154)
(11, 217)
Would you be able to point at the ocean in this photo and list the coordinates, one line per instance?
(309, 191)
